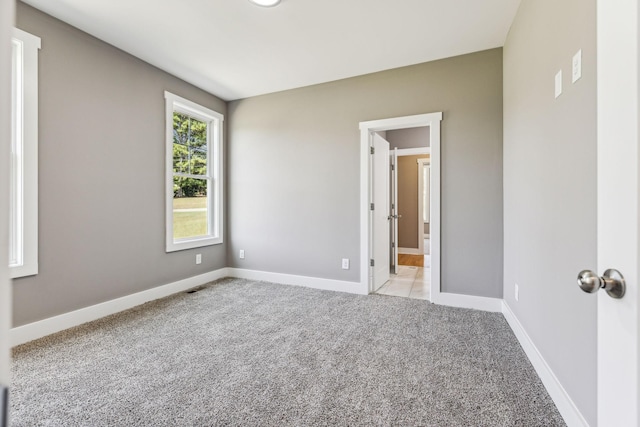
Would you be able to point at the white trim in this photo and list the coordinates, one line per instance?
(410, 251)
(559, 395)
(305, 281)
(413, 151)
(25, 191)
(214, 176)
(431, 120)
(365, 226)
(42, 328)
(421, 234)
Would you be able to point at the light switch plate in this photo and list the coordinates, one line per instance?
(576, 67)
(558, 83)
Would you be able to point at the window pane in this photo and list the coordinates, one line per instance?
(189, 145)
(190, 208)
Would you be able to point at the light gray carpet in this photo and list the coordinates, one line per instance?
(240, 352)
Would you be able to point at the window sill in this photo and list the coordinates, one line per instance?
(23, 271)
(192, 243)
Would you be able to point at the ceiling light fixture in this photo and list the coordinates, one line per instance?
(265, 3)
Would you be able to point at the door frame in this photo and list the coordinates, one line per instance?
(431, 120)
(414, 152)
(422, 163)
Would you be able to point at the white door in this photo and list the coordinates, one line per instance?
(394, 211)
(6, 21)
(618, 211)
(380, 211)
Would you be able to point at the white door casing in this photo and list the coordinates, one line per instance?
(380, 200)
(424, 173)
(431, 120)
(618, 210)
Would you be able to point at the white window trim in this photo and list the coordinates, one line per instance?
(215, 172)
(24, 221)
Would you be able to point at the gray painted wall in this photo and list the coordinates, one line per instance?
(408, 201)
(550, 187)
(6, 21)
(101, 175)
(409, 138)
(294, 170)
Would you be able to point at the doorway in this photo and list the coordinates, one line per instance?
(375, 242)
(410, 276)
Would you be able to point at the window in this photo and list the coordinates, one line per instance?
(23, 169)
(194, 175)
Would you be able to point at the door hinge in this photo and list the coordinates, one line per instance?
(393, 206)
(373, 150)
(393, 167)
(372, 263)
(373, 206)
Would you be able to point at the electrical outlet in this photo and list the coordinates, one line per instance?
(558, 84)
(198, 258)
(345, 263)
(517, 292)
(241, 253)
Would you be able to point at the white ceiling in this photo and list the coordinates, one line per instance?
(234, 49)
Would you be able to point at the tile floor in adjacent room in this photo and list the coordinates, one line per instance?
(410, 282)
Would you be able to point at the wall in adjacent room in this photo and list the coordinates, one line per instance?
(549, 179)
(294, 170)
(408, 138)
(101, 175)
(408, 201)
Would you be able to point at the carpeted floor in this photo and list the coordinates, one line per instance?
(240, 352)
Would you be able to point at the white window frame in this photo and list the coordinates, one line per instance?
(23, 216)
(214, 172)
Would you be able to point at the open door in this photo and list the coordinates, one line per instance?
(394, 211)
(618, 211)
(6, 22)
(380, 200)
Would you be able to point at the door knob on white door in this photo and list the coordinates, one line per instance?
(611, 281)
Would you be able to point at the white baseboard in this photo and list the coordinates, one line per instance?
(409, 251)
(35, 330)
(565, 405)
(42, 328)
(306, 281)
(467, 301)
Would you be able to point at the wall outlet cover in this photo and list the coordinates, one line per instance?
(345, 263)
(558, 84)
(241, 253)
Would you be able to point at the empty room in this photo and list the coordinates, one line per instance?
(204, 211)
